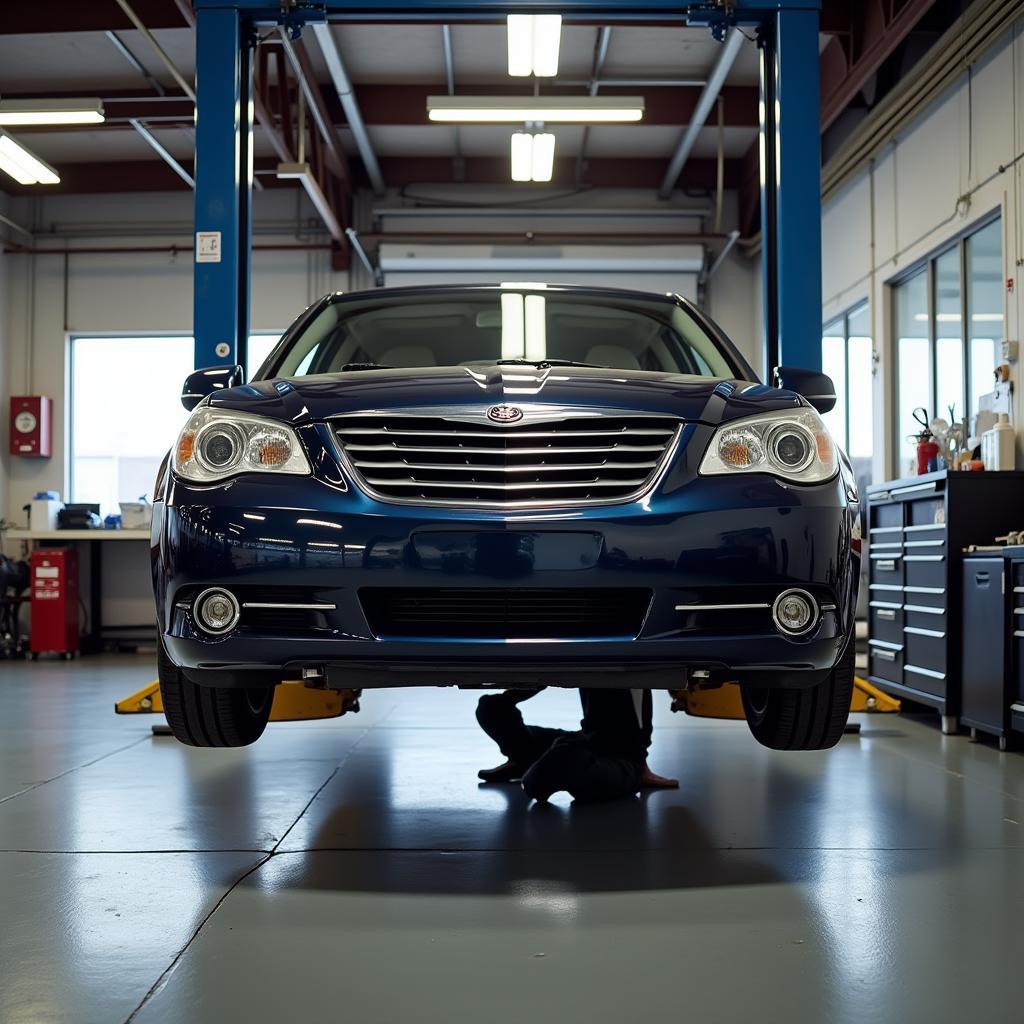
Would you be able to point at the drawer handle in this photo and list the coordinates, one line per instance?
(883, 654)
(886, 613)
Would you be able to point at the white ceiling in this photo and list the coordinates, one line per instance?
(385, 54)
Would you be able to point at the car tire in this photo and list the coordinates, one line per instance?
(812, 718)
(212, 716)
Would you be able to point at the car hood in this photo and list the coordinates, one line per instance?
(299, 400)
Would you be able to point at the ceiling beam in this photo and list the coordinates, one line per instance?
(155, 176)
(602, 172)
(407, 104)
(86, 16)
(874, 30)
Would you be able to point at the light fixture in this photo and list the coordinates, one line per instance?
(549, 109)
(533, 44)
(533, 156)
(14, 113)
(24, 167)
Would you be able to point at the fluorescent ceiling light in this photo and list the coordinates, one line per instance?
(533, 44)
(542, 109)
(533, 156)
(24, 167)
(46, 112)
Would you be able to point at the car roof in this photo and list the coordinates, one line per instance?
(581, 289)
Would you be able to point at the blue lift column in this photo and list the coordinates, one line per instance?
(791, 189)
(223, 195)
(790, 149)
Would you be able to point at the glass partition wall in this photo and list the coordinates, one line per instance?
(940, 366)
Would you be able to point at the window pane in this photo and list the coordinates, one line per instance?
(913, 364)
(116, 449)
(833, 363)
(949, 344)
(259, 348)
(860, 385)
(984, 306)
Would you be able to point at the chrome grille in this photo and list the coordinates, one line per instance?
(438, 461)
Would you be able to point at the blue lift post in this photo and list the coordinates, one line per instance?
(790, 142)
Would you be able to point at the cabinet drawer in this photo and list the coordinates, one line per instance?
(926, 512)
(929, 680)
(923, 616)
(925, 648)
(924, 534)
(925, 570)
(885, 567)
(885, 662)
(926, 597)
(885, 623)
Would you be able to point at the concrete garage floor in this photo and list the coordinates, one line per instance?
(354, 870)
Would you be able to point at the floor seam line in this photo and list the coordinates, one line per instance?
(76, 768)
(176, 959)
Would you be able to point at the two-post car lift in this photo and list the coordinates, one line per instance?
(790, 151)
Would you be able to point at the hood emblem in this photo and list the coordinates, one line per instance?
(505, 413)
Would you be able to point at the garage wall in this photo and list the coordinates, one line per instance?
(54, 296)
(931, 183)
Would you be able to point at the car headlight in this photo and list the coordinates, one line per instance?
(794, 445)
(216, 444)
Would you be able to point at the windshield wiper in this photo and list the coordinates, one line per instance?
(365, 366)
(543, 364)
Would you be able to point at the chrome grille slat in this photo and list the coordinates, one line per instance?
(434, 460)
(530, 468)
(499, 451)
(398, 432)
(477, 486)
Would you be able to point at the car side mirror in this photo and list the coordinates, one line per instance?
(205, 382)
(813, 385)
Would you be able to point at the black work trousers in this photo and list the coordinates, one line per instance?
(567, 761)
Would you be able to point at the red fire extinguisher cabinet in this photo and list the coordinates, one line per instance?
(54, 587)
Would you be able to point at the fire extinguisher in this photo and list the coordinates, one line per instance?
(927, 454)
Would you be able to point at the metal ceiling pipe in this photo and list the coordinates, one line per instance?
(604, 38)
(726, 57)
(160, 51)
(343, 87)
(163, 153)
(458, 163)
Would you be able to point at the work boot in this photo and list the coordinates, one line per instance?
(507, 772)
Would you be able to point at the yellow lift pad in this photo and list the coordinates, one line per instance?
(724, 701)
(293, 702)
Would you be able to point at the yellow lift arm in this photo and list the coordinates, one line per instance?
(293, 702)
(724, 701)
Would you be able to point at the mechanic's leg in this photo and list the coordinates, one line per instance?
(499, 717)
(572, 765)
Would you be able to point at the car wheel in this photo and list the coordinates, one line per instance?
(802, 719)
(212, 716)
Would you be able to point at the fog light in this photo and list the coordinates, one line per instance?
(216, 611)
(795, 612)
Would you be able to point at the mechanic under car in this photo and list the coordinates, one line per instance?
(605, 760)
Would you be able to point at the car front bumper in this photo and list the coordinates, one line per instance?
(713, 541)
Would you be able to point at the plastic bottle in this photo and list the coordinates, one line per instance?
(1004, 443)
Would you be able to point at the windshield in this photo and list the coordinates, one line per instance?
(481, 327)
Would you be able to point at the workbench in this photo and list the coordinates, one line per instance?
(95, 541)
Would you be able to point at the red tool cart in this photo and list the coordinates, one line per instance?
(54, 586)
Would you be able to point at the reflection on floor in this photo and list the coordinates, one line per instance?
(356, 870)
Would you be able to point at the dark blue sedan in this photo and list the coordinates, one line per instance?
(522, 485)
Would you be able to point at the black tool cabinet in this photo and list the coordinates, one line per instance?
(917, 529)
(993, 643)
